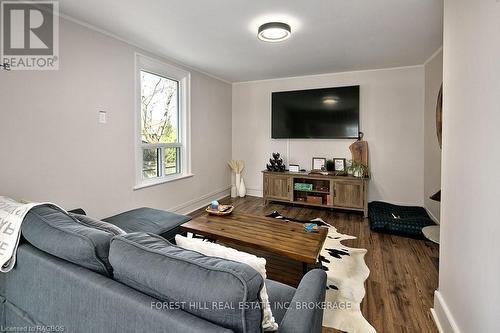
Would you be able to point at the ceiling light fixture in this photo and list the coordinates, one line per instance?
(274, 32)
(330, 100)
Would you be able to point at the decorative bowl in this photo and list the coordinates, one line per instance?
(218, 212)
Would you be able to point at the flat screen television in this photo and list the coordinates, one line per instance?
(327, 113)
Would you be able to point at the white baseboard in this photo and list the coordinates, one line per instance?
(254, 192)
(400, 203)
(203, 201)
(442, 315)
(436, 321)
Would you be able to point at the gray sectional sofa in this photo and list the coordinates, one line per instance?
(72, 277)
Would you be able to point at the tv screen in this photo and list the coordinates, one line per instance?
(328, 113)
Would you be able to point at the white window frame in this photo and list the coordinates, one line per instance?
(154, 66)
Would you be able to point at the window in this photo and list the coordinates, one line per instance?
(163, 119)
(159, 126)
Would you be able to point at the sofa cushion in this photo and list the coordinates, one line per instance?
(280, 297)
(62, 294)
(219, 290)
(149, 220)
(257, 263)
(98, 224)
(57, 233)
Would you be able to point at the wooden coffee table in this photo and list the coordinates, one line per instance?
(263, 234)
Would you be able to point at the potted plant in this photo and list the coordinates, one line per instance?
(359, 170)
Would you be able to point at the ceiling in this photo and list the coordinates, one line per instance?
(219, 37)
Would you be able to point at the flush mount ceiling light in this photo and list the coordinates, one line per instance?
(330, 100)
(274, 32)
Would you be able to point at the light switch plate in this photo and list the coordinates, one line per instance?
(102, 117)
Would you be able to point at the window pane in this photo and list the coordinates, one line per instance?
(159, 109)
(172, 161)
(150, 163)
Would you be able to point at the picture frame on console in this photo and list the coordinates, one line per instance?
(339, 164)
(318, 163)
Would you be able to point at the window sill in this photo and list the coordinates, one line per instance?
(155, 182)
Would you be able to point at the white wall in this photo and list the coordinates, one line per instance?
(432, 151)
(468, 299)
(392, 118)
(52, 147)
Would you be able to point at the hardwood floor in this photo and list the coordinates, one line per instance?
(403, 271)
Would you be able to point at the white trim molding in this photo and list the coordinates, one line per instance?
(328, 74)
(433, 55)
(254, 192)
(163, 180)
(259, 192)
(203, 201)
(442, 315)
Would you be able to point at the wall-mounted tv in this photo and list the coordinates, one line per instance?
(327, 113)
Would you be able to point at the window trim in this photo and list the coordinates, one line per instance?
(154, 66)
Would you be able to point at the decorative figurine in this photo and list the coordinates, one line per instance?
(276, 163)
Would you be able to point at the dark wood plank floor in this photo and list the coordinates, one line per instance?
(403, 271)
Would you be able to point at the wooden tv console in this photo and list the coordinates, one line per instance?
(329, 191)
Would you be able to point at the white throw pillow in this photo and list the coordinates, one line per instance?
(216, 250)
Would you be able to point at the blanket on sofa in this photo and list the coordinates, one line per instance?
(12, 214)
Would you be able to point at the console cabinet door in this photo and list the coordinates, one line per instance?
(277, 187)
(348, 193)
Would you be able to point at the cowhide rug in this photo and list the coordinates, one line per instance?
(346, 272)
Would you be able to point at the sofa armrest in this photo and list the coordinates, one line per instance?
(305, 314)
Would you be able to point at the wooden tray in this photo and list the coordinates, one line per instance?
(216, 212)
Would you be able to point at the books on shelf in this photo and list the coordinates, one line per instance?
(303, 187)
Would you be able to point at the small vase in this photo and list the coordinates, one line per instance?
(234, 192)
(242, 191)
(237, 182)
